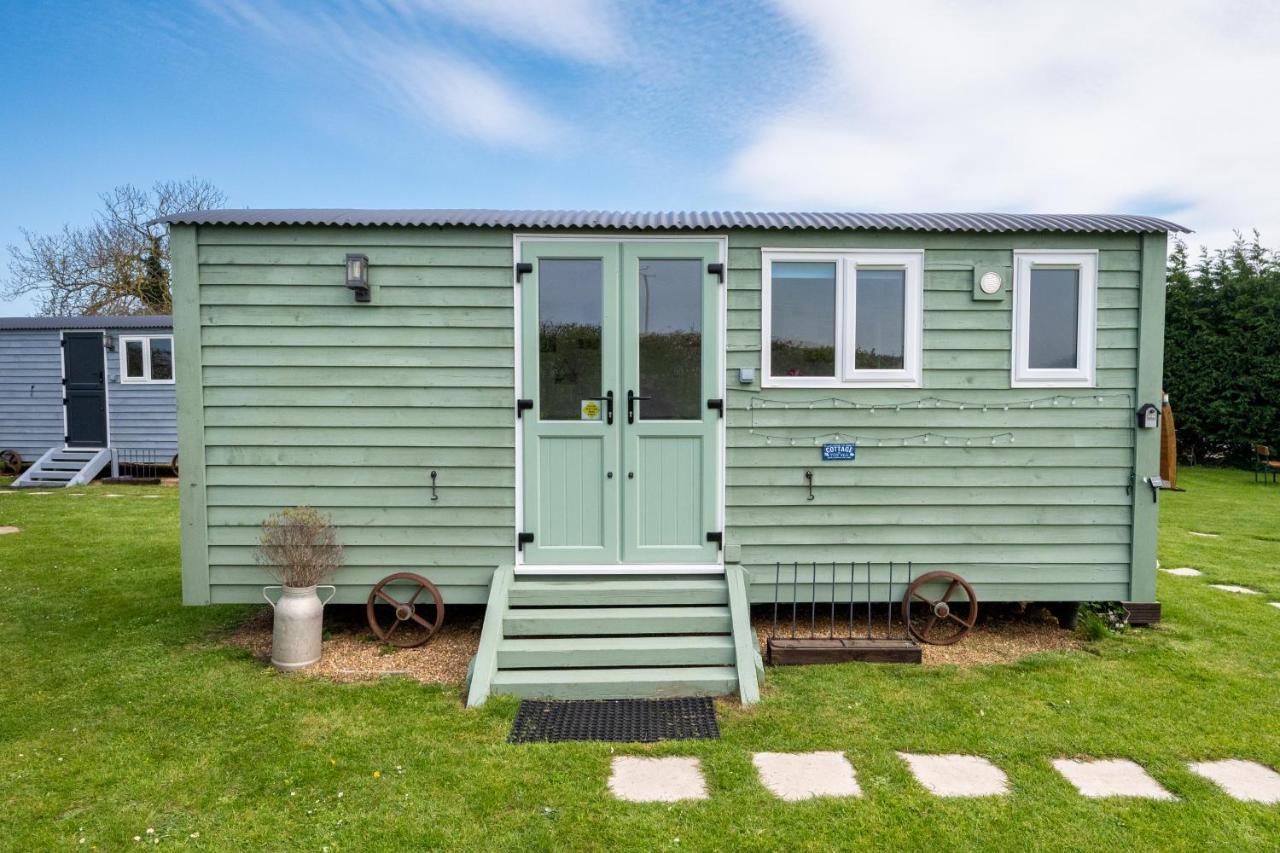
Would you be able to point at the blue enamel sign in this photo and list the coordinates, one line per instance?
(843, 451)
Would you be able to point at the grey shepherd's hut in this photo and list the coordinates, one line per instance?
(79, 395)
(619, 430)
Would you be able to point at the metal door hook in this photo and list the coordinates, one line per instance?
(434, 496)
(808, 477)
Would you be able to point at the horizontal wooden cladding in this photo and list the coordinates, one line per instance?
(1045, 416)
(397, 282)
(385, 556)
(378, 417)
(334, 295)
(325, 255)
(851, 475)
(1011, 556)
(359, 396)
(936, 457)
(246, 573)
(816, 576)
(852, 517)
(1109, 260)
(382, 536)
(458, 459)
(949, 375)
(372, 355)
(355, 475)
(354, 592)
(432, 320)
(1047, 588)
(805, 536)
(427, 516)
(330, 436)
(958, 296)
(355, 336)
(991, 496)
(942, 326)
(955, 437)
(963, 242)
(345, 237)
(360, 496)
(299, 376)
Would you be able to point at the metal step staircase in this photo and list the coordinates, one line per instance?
(62, 467)
(616, 637)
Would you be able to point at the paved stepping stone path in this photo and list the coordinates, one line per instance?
(1275, 604)
(1111, 778)
(1184, 572)
(1230, 587)
(957, 775)
(803, 776)
(1203, 535)
(1244, 780)
(6, 530)
(657, 780)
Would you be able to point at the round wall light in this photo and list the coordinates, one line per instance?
(990, 283)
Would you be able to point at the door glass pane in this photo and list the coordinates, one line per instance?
(570, 316)
(670, 315)
(161, 358)
(1055, 314)
(803, 319)
(133, 359)
(879, 336)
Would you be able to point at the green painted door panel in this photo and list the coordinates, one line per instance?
(640, 318)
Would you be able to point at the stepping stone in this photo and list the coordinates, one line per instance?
(1203, 535)
(1184, 572)
(805, 775)
(657, 780)
(957, 775)
(5, 530)
(151, 497)
(1275, 604)
(1244, 780)
(39, 493)
(113, 495)
(1111, 778)
(1230, 587)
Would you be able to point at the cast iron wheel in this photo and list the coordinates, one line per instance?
(174, 464)
(936, 622)
(10, 462)
(405, 627)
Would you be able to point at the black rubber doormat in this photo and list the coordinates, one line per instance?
(617, 720)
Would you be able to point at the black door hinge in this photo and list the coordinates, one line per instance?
(716, 270)
(523, 267)
(522, 406)
(716, 404)
(717, 537)
(523, 539)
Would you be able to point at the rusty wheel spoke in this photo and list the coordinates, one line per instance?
(406, 639)
(416, 617)
(387, 598)
(923, 631)
(946, 596)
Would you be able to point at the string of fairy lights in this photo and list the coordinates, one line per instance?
(924, 438)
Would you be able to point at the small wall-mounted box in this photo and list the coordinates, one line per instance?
(746, 375)
(990, 283)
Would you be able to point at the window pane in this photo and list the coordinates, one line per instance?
(161, 358)
(880, 320)
(570, 316)
(1054, 310)
(133, 359)
(670, 314)
(803, 319)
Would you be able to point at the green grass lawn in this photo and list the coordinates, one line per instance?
(120, 713)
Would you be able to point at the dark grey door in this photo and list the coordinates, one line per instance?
(86, 389)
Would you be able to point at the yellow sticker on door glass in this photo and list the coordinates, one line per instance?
(590, 410)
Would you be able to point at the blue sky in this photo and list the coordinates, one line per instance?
(793, 104)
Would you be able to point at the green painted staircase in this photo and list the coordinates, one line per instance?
(615, 637)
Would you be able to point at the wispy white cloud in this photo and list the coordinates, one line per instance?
(1084, 106)
(396, 49)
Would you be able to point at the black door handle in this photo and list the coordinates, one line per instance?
(607, 399)
(632, 396)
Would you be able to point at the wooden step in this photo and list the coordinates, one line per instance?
(54, 475)
(567, 652)
(618, 593)
(613, 621)
(616, 683)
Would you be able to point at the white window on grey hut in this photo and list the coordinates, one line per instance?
(1054, 319)
(146, 359)
(839, 319)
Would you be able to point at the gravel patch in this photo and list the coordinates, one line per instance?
(350, 652)
(657, 780)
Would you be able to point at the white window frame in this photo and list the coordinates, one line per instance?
(122, 348)
(847, 263)
(1084, 374)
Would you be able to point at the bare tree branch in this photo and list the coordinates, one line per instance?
(117, 265)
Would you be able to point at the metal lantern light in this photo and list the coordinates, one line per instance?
(358, 276)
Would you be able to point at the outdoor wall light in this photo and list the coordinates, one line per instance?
(358, 276)
(990, 283)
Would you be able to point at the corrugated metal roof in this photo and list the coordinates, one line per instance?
(715, 220)
(138, 321)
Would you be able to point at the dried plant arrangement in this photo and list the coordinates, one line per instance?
(300, 547)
